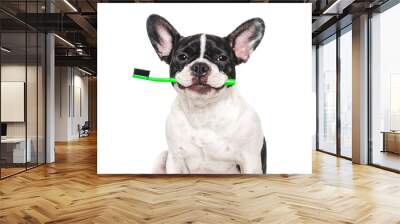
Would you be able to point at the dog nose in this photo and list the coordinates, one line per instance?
(200, 68)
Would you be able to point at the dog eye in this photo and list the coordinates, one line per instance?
(222, 58)
(182, 57)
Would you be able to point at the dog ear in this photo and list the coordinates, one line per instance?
(245, 39)
(163, 36)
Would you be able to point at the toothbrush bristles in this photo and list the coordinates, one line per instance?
(141, 72)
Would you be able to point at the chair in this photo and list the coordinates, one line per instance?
(84, 130)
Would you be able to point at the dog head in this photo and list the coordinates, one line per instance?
(202, 63)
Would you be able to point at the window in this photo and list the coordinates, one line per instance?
(385, 89)
(327, 96)
(346, 92)
(22, 102)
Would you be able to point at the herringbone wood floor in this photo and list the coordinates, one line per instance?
(70, 191)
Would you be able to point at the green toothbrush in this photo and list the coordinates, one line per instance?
(145, 75)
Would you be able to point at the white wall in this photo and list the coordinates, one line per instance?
(16, 73)
(34, 126)
(80, 83)
(70, 83)
(62, 81)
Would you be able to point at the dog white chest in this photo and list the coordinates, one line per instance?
(210, 139)
(204, 150)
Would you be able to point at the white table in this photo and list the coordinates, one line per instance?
(18, 144)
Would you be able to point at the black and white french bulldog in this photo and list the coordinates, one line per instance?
(210, 129)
